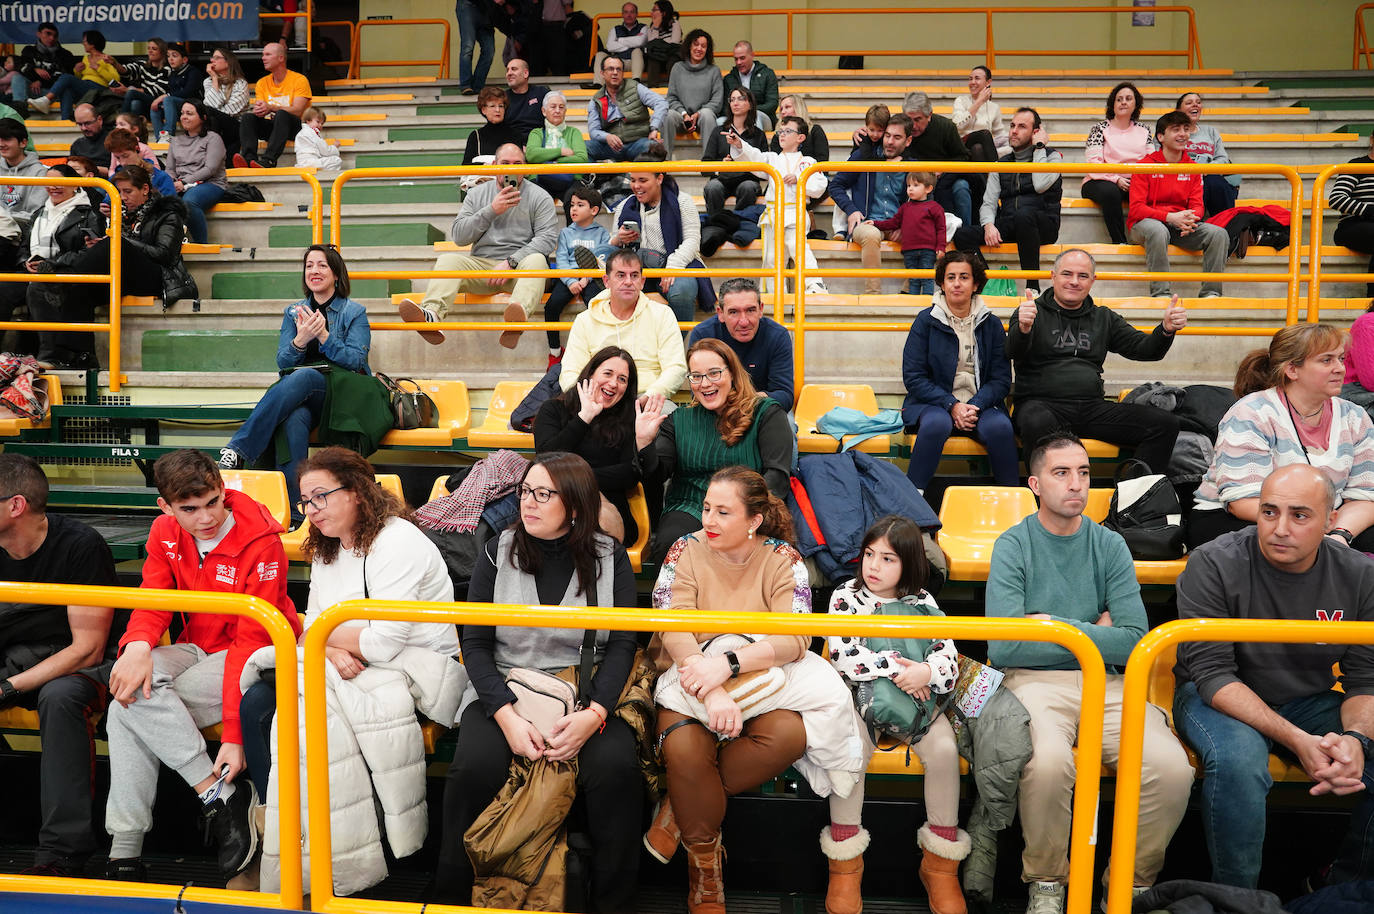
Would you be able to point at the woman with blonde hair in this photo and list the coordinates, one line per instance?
(1290, 411)
(728, 423)
(815, 145)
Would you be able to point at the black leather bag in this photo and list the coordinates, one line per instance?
(411, 408)
(1146, 512)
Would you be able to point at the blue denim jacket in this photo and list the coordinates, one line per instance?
(350, 336)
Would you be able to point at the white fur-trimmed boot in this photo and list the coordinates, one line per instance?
(844, 894)
(940, 869)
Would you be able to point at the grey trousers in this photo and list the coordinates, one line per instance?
(1156, 236)
(165, 729)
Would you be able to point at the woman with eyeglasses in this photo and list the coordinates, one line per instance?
(728, 423)
(740, 119)
(554, 554)
(325, 331)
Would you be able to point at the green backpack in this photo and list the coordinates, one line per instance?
(882, 704)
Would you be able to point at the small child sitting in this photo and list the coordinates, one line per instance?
(8, 68)
(922, 223)
(137, 124)
(581, 246)
(312, 149)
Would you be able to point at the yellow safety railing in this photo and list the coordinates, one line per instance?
(1133, 701)
(316, 213)
(305, 11)
(357, 63)
(284, 641)
(116, 233)
(1086, 783)
(1363, 56)
(1292, 278)
(349, 26)
(776, 272)
(1314, 285)
(988, 53)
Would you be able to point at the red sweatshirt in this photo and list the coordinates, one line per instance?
(922, 223)
(250, 559)
(1156, 196)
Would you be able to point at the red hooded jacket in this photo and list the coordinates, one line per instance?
(250, 560)
(1156, 196)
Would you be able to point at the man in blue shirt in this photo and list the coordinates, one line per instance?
(865, 196)
(761, 343)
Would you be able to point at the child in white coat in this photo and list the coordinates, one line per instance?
(792, 131)
(312, 149)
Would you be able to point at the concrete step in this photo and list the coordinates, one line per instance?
(286, 286)
(372, 234)
(207, 350)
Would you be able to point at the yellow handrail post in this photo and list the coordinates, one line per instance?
(116, 294)
(1138, 669)
(1314, 282)
(440, 62)
(250, 608)
(790, 16)
(1087, 783)
(991, 52)
(1361, 39)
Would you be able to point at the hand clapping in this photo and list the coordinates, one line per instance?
(310, 325)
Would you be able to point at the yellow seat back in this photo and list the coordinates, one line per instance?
(267, 487)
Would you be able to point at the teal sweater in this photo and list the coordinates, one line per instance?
(1071, 579)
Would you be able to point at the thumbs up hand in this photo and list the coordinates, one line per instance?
(1025, 314)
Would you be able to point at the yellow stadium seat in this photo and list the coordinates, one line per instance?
(294, 542)
(816, 400)
(639, 510)
(971, 519)
(439, 489)
(13, 425)
(455, 417)
(495, 431)
(267, 487)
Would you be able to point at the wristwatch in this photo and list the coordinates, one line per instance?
(1366, 744)
(1342, 533)
(733, 660)
(7, 689)
(512, 262)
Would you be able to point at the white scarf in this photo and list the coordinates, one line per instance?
(43, 240)
(553, 136)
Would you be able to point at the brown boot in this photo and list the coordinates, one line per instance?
(940, 870)
(843, 895)
(705, 878)
(663, 836)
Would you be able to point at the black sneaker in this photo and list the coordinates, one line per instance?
(231, 822)
(51, 868)
(230, 459)
(127, 869)
(585, 259)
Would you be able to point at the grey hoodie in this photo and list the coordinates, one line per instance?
(23, 201)
(693, 87)
(531, 227)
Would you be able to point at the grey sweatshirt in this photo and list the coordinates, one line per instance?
(693, 87)
(197, 159)
(23, 201)
(1229, 578)
(530, 227)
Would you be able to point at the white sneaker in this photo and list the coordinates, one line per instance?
(1135, 890)
(1045, 898)
(40, 104)
(816, 287)
(164, 137)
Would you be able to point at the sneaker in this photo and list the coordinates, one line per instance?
(1135, 890)
(40, 104)
(55, 868)
(231, 822)
(230, 459)
(1210, 294)
(511, 338)
(1161, 294)
(413, 313)
(1045, 898)
(468, 90)
(240, 161)
(555, 358)
(585, 259)
(164, 137)
(256, 164)
(127, 869)
(816, 287)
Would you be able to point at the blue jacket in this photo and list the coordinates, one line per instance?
(849, 492)
(350, 336)
(853, 190)
(767, 357)
(932, 354)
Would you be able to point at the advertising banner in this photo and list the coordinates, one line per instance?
(131, 20)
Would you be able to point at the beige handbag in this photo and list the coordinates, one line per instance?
(545, 698)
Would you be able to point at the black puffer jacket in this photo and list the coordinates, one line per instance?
(70, 235)
(158, 232)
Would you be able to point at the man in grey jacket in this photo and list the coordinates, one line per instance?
(511, 225)
(20, 200)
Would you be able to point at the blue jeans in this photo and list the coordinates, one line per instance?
(598, 150)
(256, 710)
(919, 259)
(1236, 780)
(933, 427)
(19, 91)
(681, 295)
(136, 101)
(473, 28)
(165, 116)
(295, 404)
(68, 89)
(952, 192)
(198, 199)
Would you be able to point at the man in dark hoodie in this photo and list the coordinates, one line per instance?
(1058, 343)
(39, 66)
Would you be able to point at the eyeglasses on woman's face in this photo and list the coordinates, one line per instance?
(538, 493)
(697, 378)
(319, 501)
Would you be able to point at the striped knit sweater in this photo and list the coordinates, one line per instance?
(1257, 436)
(1353, 195)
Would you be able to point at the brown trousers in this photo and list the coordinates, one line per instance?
(702, 772)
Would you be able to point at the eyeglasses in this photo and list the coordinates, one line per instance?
(318, 502)
(539, 494)
(696, 378)
(785, 130)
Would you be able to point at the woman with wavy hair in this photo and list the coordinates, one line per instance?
(728, 423)
(1118, 139)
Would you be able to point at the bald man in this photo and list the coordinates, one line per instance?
(279, 100)
(1235, 703)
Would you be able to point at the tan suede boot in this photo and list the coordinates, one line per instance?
(706, 877)
(843, 894)
(940, 870)
(663, 836)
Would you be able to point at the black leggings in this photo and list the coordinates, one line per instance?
(1358, 235)
(1109, 196)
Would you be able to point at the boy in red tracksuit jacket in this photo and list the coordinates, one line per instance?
(209, 539)
(1167, 209)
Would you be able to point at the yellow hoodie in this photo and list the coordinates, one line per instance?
(650, 334)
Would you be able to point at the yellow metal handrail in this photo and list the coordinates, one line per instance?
(1363, 56)
(1136, 688)
(1314, 285)
(284, 641)
(316, 213)
(776, 272)
(1292, 278)
(1086, 783)
(988, 52)
(116, 234)
(357, 63)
